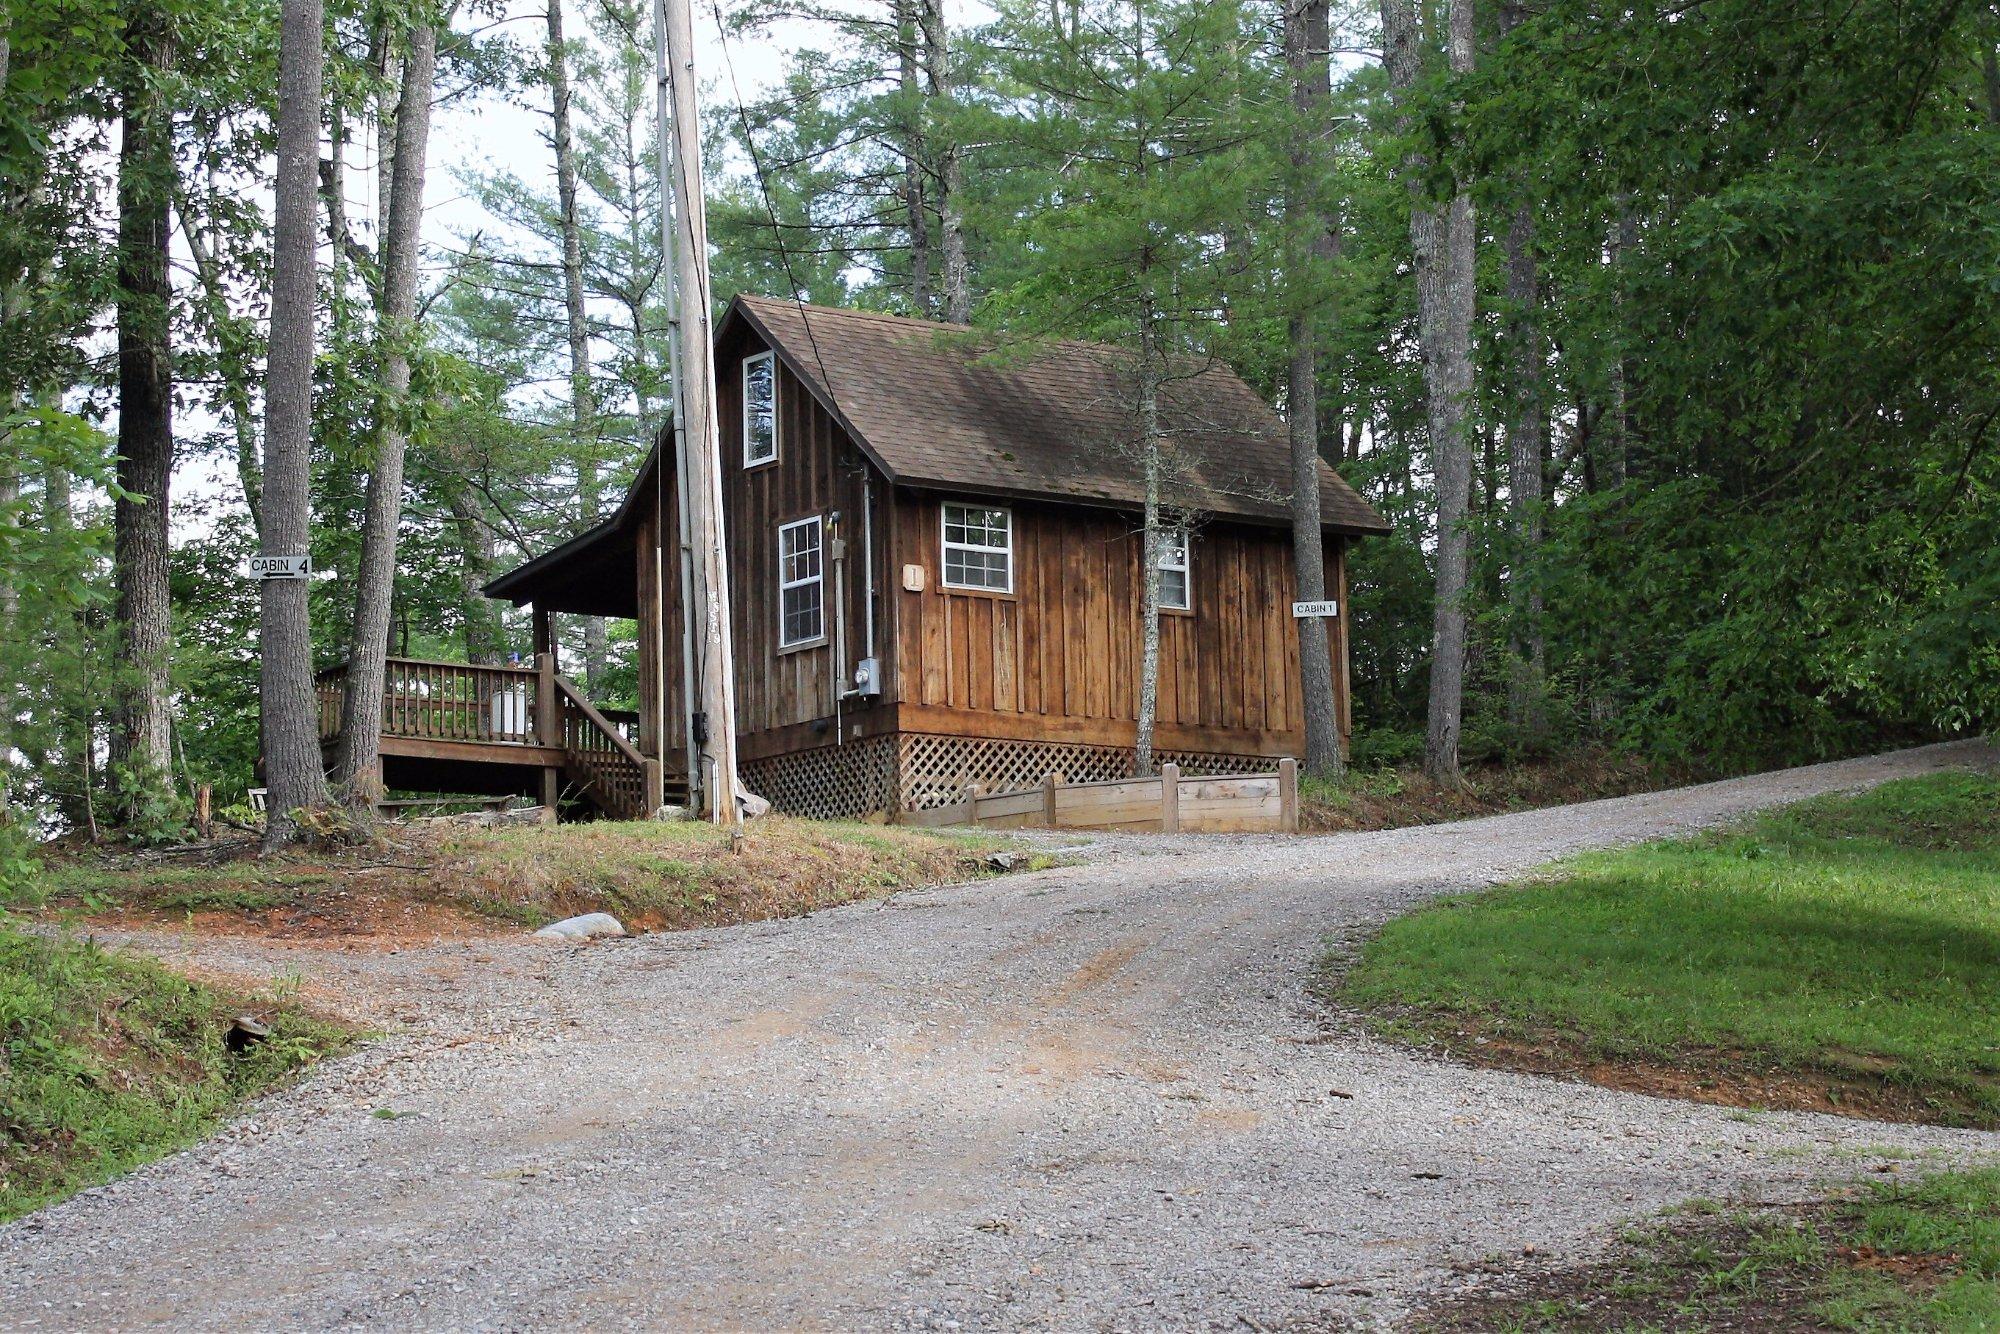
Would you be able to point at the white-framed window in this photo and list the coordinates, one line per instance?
(760, 409)
(801, 584)
(979, 547)
(1176, 585)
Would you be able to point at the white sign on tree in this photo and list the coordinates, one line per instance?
(280, 567)
(1301, 610)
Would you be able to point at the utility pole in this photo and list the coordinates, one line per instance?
(684, 227)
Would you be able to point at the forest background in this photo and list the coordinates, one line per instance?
(1664, 333)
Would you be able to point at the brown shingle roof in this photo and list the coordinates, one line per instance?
(938, 406)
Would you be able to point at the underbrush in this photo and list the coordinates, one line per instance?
(1890, 1257)
(448, 877)
(1842, 955)
(110, 1061)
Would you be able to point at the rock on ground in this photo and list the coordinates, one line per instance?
(589, 926)
(1098, 1096)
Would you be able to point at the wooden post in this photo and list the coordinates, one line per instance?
(545, 630)
(1049, 786)
(551, 793)
(1288, 795)
(691, 366)
(1170, 799)
(204, 823)
(969, 804)
(548, 725)
(656, 787)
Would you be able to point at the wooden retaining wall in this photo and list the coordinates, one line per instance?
(1252, 803)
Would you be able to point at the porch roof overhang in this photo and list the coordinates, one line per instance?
(595, 573)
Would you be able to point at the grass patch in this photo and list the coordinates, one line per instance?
(431, 879)
(1843, 954)
(669, 876)
(1889, 1257)
(1395, 797)
(111, 1061)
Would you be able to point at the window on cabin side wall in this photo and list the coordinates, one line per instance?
(801, 584)
(979, 548)
(1176, 589)
(760, 409)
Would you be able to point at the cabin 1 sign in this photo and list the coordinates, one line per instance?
(280, 567)
(1301, 610)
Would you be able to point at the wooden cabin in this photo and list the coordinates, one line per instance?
(934, 552)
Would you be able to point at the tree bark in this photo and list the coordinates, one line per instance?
(583, 397)
(288, 707)
(141, 739)
(1150, 366)
(1309, 240)
(915, 205)
(360, 764)
(950, 167)
(1442, 240)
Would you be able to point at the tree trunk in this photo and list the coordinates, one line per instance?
(914, 203)
(287, 703)
(360, 766)
(141, 739)
(951, 171)
(583, 397)
(1441, 239)
(1149, 567)
(1309, 243)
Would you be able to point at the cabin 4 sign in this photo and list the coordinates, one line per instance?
(1301, 610)
(280, 567)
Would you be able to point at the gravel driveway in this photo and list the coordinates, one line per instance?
(1091, 1097)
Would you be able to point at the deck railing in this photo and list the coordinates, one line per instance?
(512, 706)
(444, 701)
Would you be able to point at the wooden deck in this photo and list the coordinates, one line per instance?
(454, 727)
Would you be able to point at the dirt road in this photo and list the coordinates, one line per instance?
(1090, 1097)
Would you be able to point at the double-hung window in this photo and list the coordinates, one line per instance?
(1176, 590)
(801, 584)
(979, 548)
(760, 409)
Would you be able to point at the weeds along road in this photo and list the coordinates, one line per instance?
(1095, 1096)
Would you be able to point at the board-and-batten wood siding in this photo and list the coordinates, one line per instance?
(818, 471)
(1064, 646)
(1057, 659)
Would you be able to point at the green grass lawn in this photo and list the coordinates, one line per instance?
(1854, 938)
(1924, 1256)
(110, 1061)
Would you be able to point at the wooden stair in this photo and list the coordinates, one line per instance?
(603, 768)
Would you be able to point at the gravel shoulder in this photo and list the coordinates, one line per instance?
(1093, 1096)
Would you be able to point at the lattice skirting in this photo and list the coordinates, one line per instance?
(920, 771)
(934, 769)
(831, 782)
